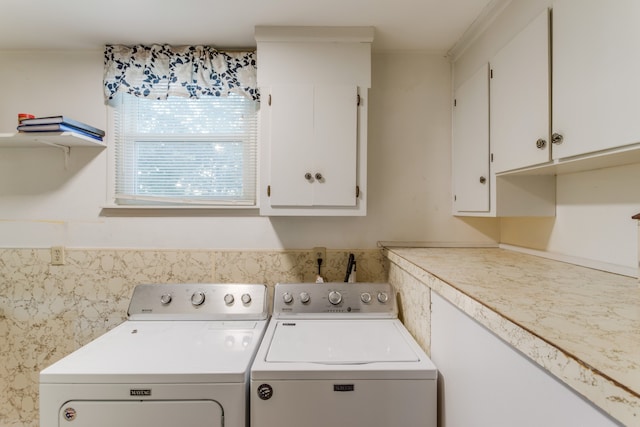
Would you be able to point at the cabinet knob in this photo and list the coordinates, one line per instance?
(308, 176)
(483, 180)
(557, 138)
(319, 176)
(541, 143)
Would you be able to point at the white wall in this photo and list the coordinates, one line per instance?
(593, 209)
(42, 204)
(593, 218)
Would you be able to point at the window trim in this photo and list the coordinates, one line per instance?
(112, 209)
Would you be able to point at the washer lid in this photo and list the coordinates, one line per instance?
(333, 342)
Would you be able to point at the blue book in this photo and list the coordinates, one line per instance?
(62, 120)
(60, 127)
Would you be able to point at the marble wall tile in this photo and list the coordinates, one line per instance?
(49, 311)
(414, 300)
(296, 266)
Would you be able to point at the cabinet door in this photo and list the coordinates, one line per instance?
(520, 99)
(470, 154)
(335, 145)
(596, 75)
(489, 383)
(291, 143)
(313, 145)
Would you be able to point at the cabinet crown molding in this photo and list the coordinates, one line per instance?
(477, 27)
(314, 34)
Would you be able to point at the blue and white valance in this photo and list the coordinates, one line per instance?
(160, 71)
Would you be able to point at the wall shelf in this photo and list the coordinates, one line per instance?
(61, 140)
(620, 156)
(51, 139)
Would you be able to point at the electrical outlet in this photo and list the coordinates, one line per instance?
(57, 255)
(320, 253)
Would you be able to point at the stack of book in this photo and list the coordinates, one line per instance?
(59, 124)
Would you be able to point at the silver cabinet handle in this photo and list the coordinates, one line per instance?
(541, 143)
(557, 138)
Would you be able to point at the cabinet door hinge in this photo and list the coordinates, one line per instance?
(455, 102)
(357, 191)
(269, 101)
(455, 198)
(358, 100)
(491, 73)
(491, 157)
(268, 191)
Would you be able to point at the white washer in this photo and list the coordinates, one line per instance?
(336, 354)
(181, 359)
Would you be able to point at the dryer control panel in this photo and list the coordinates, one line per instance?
(199, 301)
(330, 300)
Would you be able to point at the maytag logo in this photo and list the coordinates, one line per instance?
(344, 387)
(140, 392)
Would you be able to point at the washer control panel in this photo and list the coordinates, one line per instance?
(198, 301)
(332, 299)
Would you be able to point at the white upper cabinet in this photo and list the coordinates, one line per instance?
(470, 154)
(596, 75)
(520, 99)
(502, 123)
(477, 191)
(314, 85)
(575, 112)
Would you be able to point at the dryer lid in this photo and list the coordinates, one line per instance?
(163, 352)
(333, 342)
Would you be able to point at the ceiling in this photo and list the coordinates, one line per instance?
(424, 25)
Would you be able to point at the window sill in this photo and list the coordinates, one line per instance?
(178, 211)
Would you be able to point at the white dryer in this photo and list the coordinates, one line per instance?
(336, 354)
(181, 359)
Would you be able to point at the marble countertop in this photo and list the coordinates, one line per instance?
(580, 324)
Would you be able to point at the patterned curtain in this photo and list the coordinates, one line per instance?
(159, 71)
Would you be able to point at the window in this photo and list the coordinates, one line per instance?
(185, 151)
(184, 125)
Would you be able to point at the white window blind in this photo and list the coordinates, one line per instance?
(185, 151)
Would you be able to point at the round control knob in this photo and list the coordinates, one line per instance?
(246, 299)
(229, 299)
(365, 297)
(165, 299)
(335, 297)
(197, 298)
(305, 297)
(383, 297)
(287, 298)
